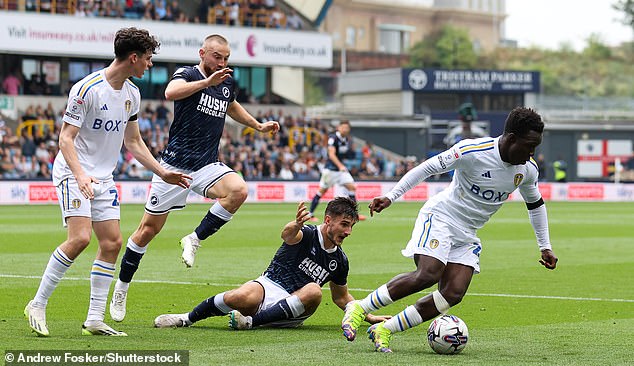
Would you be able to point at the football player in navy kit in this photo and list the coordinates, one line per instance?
(203, 95)
(444, 244)
(289, 291)
(335, 172)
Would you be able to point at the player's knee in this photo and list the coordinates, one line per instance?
(311, 294)
(239, 193)
(237, 297)
(80, 241)
(453, 296)
(111, 246)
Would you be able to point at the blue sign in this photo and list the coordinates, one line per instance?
(474, 81)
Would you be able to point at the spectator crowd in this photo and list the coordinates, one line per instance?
(248, 13)
(297, 152)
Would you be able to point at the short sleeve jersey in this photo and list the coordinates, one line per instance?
(295, 266)
(102, 114)
(342, 148)
(199, 121)
(481, 182)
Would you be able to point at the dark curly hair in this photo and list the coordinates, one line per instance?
(128, 40)
(521, 120)
(343, 206)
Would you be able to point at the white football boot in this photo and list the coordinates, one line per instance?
(190, 245)
(117, 305)
(172, 321)
(100, 328)
(37, 319)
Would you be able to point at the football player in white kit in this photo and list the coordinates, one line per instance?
(444, 244)
(100, 116)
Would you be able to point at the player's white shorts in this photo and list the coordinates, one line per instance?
(331, 178)
(105, 205)
(435, 238)
(274, 293)
(165, 197)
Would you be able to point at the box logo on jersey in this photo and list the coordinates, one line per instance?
(518, 179)
(128, 106)
(212, 106)
(108, 126)
(314, 270)
(489, 194)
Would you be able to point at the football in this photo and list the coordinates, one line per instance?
(447, 335)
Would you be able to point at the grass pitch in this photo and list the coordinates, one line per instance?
(517, 312)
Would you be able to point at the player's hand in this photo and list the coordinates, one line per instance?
(84, 182)
(219, 76)
(379, 204)
(372, 319)
(549, 259)
(303, 215)
(176, 178)
(270, 126)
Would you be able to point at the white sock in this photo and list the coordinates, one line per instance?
(101, 277)
(297, 308)
(57, 266)
(406, 319)
(219, 301)
(121, 286)
(220, 211)
(135, 248)
(377, 299)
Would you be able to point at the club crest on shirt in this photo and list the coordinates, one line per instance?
(332, 265)
(128, 105)
(434, 243)
(225, 92)
(518, 179)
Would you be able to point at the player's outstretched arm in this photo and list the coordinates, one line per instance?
(292, 232)
(134, 143)
(178, 89)
(379, 204)
(539, 220)
(237, 112)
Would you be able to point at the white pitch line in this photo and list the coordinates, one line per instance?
(2, 275)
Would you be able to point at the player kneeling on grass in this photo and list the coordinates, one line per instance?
(289, 291)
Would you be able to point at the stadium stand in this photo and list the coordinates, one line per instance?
(298, 152)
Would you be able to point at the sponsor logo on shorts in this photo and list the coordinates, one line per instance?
(154, 200)
(76, 203)
(434, 243)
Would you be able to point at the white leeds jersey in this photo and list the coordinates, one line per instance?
(102, 114)
(481, 182)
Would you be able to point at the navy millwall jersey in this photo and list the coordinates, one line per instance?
(198, 122)
(342, 148)
(295, 266)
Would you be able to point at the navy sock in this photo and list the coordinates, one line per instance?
(209, 225)
(279, 311)
(204, 310)
(352, 197)
(314, 203)
(129, 264)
